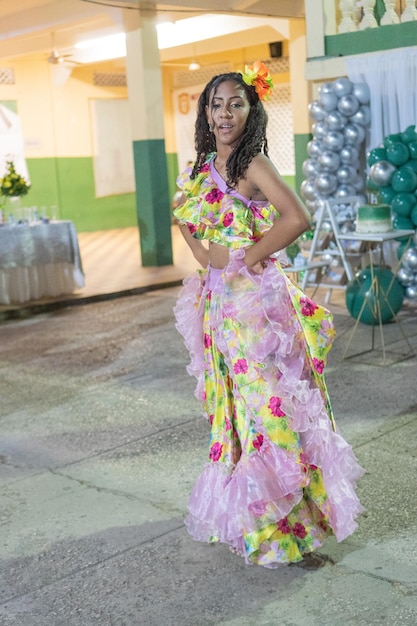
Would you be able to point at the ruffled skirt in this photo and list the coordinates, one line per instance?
(279, 479)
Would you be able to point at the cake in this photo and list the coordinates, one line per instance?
(373, 218)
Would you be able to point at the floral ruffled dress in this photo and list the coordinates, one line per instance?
(279, 479)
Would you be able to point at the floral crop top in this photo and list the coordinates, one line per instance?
(215, 212)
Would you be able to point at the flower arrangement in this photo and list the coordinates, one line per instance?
(12, 184)
(259, 77)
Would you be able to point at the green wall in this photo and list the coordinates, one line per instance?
(68, 184)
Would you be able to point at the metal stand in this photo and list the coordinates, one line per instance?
(376, 296)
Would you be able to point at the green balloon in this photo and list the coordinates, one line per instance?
(387, 194)
(402, 203)
(401, 248)
(390, 139)
(404, 179)
(377, 154)
(397, 153)
(413, 216)
(412, 163)
(388, 298)
(409, 134)
(402, 223)
(412, 148)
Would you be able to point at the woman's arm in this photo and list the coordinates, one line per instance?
(199, 251)
(294, 217)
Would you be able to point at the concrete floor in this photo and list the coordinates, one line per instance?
(101, 440)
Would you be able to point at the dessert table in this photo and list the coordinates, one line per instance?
(38, 260)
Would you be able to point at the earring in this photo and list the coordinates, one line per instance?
(210, 128)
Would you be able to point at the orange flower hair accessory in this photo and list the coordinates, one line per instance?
(259, 77)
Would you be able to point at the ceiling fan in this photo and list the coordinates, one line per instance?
(56, 58)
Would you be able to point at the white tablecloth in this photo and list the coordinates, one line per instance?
(39, 260)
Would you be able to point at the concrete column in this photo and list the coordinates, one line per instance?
(300, 96)
(153, 203)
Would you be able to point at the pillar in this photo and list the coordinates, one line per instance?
(299, 97)
(153, 203)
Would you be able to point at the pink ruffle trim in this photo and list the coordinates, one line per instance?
(226, 502)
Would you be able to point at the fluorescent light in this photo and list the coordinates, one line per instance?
(113, 41)
(194, 65)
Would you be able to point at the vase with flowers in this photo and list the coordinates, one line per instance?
(12, 185)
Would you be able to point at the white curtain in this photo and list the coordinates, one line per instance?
(392, 80)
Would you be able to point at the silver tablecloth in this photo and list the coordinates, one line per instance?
(39, 260)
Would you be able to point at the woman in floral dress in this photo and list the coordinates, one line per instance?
(279, 479)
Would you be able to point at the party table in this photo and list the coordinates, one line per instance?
(38, 260)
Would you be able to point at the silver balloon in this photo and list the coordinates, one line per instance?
(311, 205)
(315, 111)
(409, 259)
(319, 129)
(326, 226)
(334, 140)
(327, 258)
(349, 154)
(314, 148)
(345, 191)
(405, 276)
(326, 183)
(335, 120)
(326, 88)
(354, 134)
(362, 116)
(359, 183)
(308, 189)
(381, 173)
(329, 161)
(342, 86)
(361, 91)
(346, 174)
(309, 168)
(411, 292)
(328, 101)
(348, 105)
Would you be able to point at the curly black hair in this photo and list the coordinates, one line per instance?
(252, 142)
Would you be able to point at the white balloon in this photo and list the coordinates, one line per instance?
(342, 86)
(315, 111)
(334, 140)
(361, 91)
(328, 101)
(348, 105)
